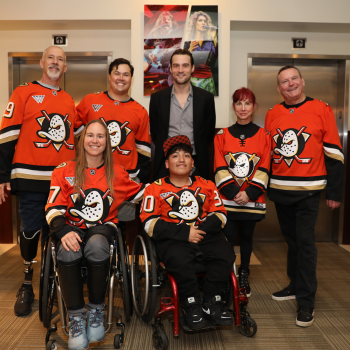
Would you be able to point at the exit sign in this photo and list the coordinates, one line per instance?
(299, 43)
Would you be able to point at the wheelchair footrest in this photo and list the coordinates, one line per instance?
(208, 325)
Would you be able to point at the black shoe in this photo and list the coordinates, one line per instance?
(192, 308)
(305, 316)
(243, 282)
(284, 294)
(25, 297)
(214, 310)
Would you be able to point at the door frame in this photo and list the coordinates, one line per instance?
(342, 106)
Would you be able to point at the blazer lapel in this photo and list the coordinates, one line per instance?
(197, 109)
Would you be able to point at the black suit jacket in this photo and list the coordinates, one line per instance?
(204, 119)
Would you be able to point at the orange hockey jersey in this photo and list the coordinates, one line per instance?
(128, 125)
(307, 154)
(94, 205)
(37, 134)
(242, 163)
(167, 211)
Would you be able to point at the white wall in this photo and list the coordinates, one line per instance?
(246, 42)
(301, 11)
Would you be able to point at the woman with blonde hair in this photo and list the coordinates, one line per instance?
(81, 211)
(201, 41)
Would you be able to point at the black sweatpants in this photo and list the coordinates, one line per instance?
(179, 258)
(245, 231)
(297, 223)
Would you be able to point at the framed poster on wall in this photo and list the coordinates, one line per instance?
(171, 27)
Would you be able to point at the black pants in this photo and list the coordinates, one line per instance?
(245, 231)
(179, 258)
(298, 228)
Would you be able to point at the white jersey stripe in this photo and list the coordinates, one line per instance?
(249, 204)
(227, 178)
(9, 133)
(334, 150)
(31, 172)
(299, 183)
(143, 147)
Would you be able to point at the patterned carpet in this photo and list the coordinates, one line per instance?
(276, 320)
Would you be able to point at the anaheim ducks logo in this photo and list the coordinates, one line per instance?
(241, 165)
(91, 207)
(55, 129)
(186, 206)
(118, 133)
(290, 143)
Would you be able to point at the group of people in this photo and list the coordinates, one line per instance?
(191, 219)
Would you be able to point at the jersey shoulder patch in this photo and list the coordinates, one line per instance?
(324, 103)
(158, 182)
(24, 84)
(220, 132)
(97, 92)
(202, 178)
(62, 165)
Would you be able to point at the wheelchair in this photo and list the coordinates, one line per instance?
(148, 274)
(51, 304)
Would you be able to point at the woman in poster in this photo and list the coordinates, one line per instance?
(201, 41)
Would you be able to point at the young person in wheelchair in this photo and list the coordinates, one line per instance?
(185, 215)
(81, 211)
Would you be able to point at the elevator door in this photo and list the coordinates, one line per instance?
(86, 73)
(323, 82)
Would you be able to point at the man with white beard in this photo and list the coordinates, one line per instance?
(36, 135)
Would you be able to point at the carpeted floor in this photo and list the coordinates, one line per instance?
(276, 320)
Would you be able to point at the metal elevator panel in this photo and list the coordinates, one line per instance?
(323, 80)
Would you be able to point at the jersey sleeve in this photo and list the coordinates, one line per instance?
(223, 178)
(57, 202)
(133, 190)
(216, 219)
(334, 158)
(260, 180)
(154, 226)
(78, 125)
(143, 147)
(9, 132)
(82, 111)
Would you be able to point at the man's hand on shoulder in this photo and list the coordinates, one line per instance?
(3, 195)
(333, 204)
(196, 235)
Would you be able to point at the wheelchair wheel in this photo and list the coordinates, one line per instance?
(43, 259)
(127, 265)
(248, 326)
(160, 340)
(48, 288)
(123, 277)
(51, 345)
(144, 277)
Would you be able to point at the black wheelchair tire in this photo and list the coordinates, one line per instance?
(43, 255)
(48, 288)
(51, 345)
(117, 341)
(248, 326)
(160, 339)
(125, 287)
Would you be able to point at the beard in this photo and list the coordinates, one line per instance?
(53, 75)
(181, 82)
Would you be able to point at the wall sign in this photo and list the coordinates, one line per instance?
(60, 40)
(299, 43)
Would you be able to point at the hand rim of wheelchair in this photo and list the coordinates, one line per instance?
(148, 309)
(42, 279)
(133, 275)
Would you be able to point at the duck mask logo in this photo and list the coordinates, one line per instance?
(91, 207)
(241, 165)
(55, 129)
(118, 133)
(290, 143)
(186, 206)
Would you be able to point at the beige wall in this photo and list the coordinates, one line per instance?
(246, 42)
(298, 11)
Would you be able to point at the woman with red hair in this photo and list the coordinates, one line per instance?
(241, 165)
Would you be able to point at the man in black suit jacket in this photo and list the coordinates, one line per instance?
(182, 109)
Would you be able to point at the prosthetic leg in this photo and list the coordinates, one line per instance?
(25, 296)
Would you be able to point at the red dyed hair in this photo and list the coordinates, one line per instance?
(243, 94)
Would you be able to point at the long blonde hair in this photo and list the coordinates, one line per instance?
(81, 162)
(191, 27)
